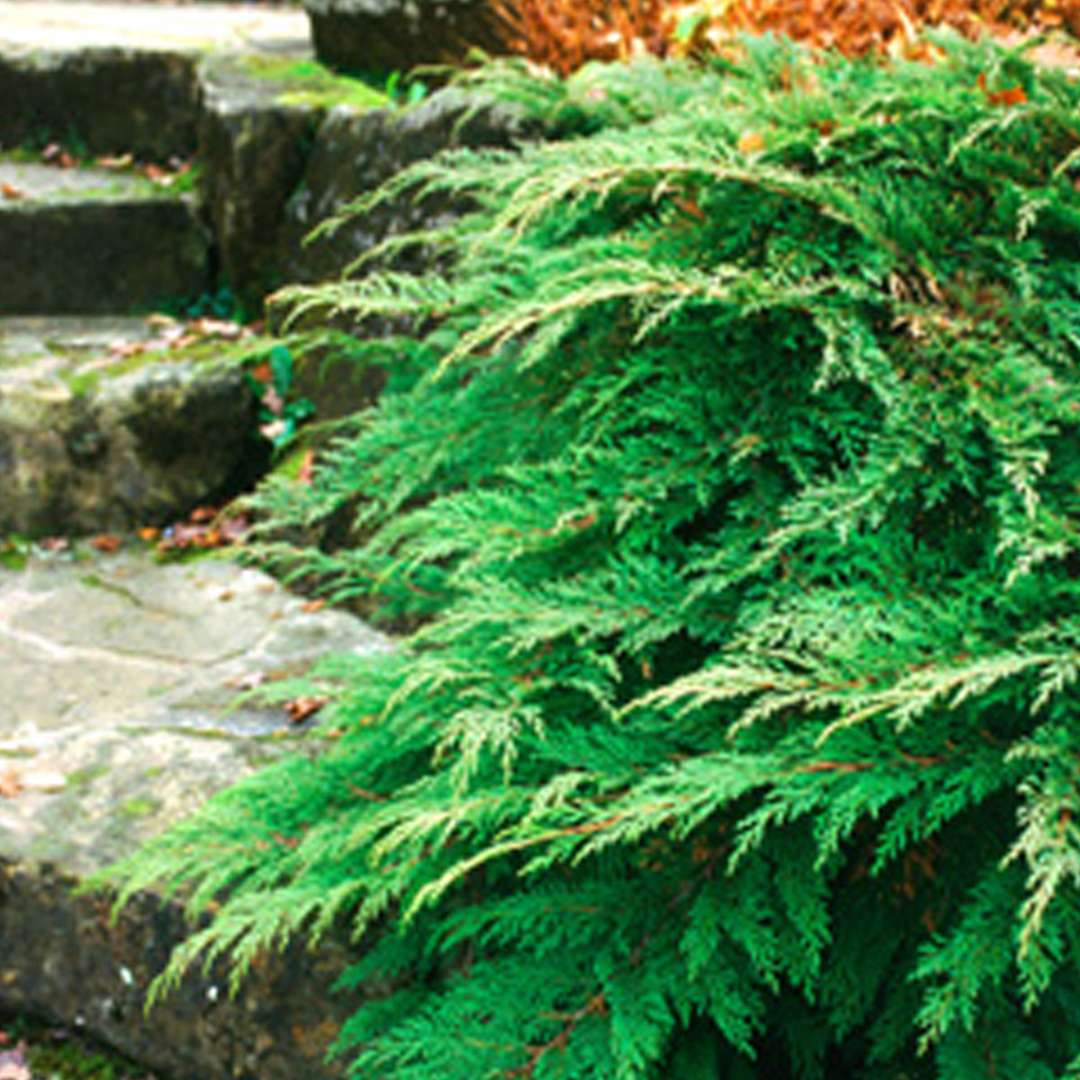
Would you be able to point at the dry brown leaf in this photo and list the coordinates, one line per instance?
(301, 708)
(751, 142)
(249, 680)
(10, 785)
(106, 542)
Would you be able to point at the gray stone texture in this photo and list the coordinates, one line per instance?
(117, 681)
(253, 151)
(270, 171)
(103, 99)
(101, 254)
(85, 449)
(396, 35)
(355, 152)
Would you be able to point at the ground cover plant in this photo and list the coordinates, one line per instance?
(731, 474)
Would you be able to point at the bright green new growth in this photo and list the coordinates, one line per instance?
(737, 491)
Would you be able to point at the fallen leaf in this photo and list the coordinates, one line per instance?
(148, 533)
(204, 529)
(751, 142)
(232, 529)
(311, 606)
(688, 206)
(10, 191)
(249, 680)
(273, 430)
(1011, 95)
(301, 708)
(217, 328)
(106, 542)
(54, 543)
(10, 785)
(121, 350)
(272, 401)
(226, 594)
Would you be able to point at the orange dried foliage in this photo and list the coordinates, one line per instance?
(564, 34)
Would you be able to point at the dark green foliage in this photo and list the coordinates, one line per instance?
(736, 494)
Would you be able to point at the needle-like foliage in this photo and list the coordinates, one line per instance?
(734, 485)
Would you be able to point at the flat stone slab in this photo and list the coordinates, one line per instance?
(118, 680)
(33, 24)
(30, 181)
(63, 339)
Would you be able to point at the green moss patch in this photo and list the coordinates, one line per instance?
(309, 83)
(138, 807)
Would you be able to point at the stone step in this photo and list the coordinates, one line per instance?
(106, 424)
(117, 676)
(94, 240)
(119, 77)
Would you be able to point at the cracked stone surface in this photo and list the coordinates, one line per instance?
(118, 714)
(127, 669)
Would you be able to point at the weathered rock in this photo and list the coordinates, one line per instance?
(395, 35)
(104, 99)
(90, 240)
(115, 679)
(84, 448)
(355, 152)
(253, 150)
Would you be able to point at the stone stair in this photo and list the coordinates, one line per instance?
(118, 673)
(90, 240)
(277, 145)
(87, 443)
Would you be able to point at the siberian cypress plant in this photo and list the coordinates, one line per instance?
(732, 480)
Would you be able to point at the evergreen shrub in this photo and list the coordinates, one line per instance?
(733, 486)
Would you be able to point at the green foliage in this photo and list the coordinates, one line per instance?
(310, 84)
(281, 412)
(14, 551)
(734, 488)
